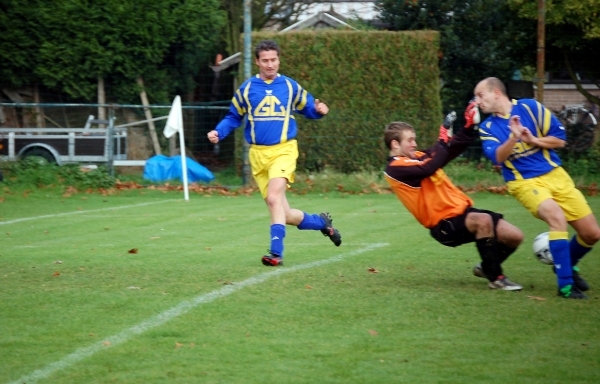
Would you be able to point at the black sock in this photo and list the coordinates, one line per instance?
(490, 257)
(504, 251)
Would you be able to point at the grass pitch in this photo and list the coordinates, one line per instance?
(142, 287)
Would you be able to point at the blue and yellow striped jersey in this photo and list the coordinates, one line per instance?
(269, 106)
(525, 161)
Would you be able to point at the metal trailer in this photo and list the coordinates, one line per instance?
(66, 145)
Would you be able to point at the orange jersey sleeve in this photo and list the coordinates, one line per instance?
(424, 188)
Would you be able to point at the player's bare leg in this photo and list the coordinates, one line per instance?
(587, 229)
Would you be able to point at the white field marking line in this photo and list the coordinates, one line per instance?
(174, 312)
(81, 212)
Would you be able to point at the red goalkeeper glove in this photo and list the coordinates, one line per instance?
(446, 127)
(472, 114)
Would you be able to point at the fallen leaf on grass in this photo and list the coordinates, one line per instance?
(155, 237)
(58, 262)
(208, 248)
(106, 342)
(178, 345)
(536, 298)
(133, 250)
(373, 270)
(307, 287)
(372, 332)
(56, 274)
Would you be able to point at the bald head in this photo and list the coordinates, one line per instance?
(493, 83)
(491, 96)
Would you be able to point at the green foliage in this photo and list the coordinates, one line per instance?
(479, 38)
(583, 15)
(20, 37)
(35, 171)
(70, 44)
(572, 36)
(582, 164)
(368, 79)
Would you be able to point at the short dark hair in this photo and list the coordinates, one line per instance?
(394, 131)
(266, 45)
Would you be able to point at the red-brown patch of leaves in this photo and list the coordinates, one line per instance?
(590, 190)
(197, 188)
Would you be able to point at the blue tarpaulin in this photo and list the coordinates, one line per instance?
(162, 168)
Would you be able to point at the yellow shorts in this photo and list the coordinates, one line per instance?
(272, 161)
(556, 185)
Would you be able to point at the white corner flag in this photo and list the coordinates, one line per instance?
(175, 125)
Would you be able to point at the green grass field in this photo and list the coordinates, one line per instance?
(143, 287)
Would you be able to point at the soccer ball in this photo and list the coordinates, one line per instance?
(541, 249)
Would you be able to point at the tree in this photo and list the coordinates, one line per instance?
(479, 38)
(572, 37)
(19, 40)
(73, 43)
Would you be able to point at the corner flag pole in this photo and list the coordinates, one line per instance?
(175, 125)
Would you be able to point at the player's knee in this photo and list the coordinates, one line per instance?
(509, 234)
(590, 237)
(273, 201)
(482, 223)
(517, 237)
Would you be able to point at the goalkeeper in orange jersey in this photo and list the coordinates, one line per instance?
(418, 180)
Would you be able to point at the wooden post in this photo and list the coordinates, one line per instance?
(173, 146)
(148, 114)
(101, 100)
(39, 111)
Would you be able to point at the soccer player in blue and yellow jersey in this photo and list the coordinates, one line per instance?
(268, 100)
(419, 182)
(521, 136)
